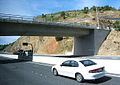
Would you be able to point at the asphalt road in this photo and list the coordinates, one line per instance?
(31, 73)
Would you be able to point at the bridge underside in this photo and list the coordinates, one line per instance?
(41, 29)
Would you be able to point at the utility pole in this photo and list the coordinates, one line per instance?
(97, 18)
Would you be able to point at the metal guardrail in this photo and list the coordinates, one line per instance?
(10, 17)
(15, 17)
(32, 19)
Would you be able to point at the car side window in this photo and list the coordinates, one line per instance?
(66, 63)
(74, 63)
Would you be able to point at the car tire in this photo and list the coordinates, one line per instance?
(79, 77)
(55, 72)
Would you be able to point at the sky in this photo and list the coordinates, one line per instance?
(8, 39)
(38, 7)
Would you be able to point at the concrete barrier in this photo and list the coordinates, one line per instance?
(9, 56)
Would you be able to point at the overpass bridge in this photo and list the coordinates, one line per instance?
(87, 39)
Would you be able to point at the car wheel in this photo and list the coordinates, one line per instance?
(79, 77)
(55, 72)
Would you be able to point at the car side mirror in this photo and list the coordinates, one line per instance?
(61, 65)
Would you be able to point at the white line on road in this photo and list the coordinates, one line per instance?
(114, 75)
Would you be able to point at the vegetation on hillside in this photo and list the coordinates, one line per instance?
(2, 47)
(85, 16)
(73, 13)
(116, 25)
(59, 38)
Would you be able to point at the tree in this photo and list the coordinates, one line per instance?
(86, 10)
(116, 25)
(93, 8)
(51, 17)
(62, 14)
(44, 17)
(102, 8)
(67, 14)
(59, 38)
(2, 47)
(107, 8)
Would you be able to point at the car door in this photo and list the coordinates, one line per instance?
(64, 67)
(72, 68)
(69, 68)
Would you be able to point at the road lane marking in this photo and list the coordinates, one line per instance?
(114, 75)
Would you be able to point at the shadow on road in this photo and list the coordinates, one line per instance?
(7, 61)
(98, 81)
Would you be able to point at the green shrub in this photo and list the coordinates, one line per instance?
(59, 38)
(116, 25)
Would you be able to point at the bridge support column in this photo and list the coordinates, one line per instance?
(89, 44)
(84, 45)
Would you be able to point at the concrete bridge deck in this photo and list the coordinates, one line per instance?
(18, 25)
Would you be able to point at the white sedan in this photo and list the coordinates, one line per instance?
(79, 69)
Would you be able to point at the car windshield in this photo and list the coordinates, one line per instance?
(87, 63)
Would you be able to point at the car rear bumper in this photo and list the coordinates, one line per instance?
(93, 76)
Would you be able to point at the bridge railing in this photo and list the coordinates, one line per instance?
(32, 19)
(15, 17)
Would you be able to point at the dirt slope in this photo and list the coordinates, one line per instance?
(111, 45)
(43, 45)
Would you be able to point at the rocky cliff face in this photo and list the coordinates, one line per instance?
(111, 46)
(43, 45)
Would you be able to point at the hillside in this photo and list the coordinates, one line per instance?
(80, 16)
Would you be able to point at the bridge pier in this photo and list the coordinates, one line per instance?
(89, 44)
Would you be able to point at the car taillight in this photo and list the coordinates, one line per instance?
(96, 70)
